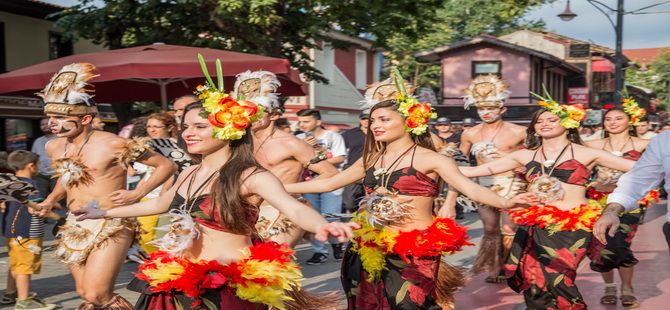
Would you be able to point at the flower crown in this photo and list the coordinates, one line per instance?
(416, 114)
(230, 117)
(571, 115)
(632, 108)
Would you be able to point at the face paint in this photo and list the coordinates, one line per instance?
(489, 115)
(62, 127)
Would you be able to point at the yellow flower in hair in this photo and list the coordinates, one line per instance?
(635, 113)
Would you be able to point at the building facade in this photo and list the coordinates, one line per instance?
(28, 37)
(524, 69)
(348, 72)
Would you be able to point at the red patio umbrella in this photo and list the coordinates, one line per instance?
(151, 72)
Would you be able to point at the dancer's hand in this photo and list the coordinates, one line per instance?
(342, 231)
(607, 223)
(446, 212)
(89, 212)
(522, 200)
(123, 197)
(43, 208)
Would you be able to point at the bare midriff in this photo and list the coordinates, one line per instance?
(221, 246)
(105, 181)
(421, 212)
(575, 196)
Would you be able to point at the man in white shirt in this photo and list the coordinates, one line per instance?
(330, 144)
(644, 129)
(652, 168)
(44, 180)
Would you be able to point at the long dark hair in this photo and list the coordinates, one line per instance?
(631, 129)
(534, 141)
(232, 207)
(373, 149)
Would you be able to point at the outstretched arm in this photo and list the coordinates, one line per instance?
(270, 188)
(500, 165)
(609, 160)
(164, 168)
(150, 207)
(323, 185)
(449, 172)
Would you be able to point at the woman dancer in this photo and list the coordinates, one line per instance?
(621, 140)
(553, 235)
(394, 259)
(209, 257)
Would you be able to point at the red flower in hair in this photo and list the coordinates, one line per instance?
(608, 106)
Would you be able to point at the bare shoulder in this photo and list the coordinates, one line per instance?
(596, 144)
(515, 127)
(467, 135)
(54, 145)
(291, 140)
(106, 138)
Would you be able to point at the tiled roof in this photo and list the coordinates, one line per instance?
(645, 56)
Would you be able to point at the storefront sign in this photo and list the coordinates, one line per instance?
(578, 95)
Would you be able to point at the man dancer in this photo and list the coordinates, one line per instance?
(491, 139)
(92, 166)
(277, 151)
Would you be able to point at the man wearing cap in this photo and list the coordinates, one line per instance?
(280, 152)
(491, 139)
(354, 141)
(91, 166)
(446, 132)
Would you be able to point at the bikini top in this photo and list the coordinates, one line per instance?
(570, 171)
(405, 181)
(203, 212)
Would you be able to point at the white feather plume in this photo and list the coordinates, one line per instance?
(266, 96)
(69, 85)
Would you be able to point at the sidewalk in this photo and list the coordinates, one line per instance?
(652, 278)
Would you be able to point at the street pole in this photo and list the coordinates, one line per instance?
(618, 57)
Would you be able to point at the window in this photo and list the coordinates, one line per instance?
(377, 61)
(361, 69)
(486, 67)
(328, 61)
(3, 63)
(59, 46)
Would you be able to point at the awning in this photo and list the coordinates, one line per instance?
(602, 65)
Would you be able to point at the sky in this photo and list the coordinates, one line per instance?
(640, 31)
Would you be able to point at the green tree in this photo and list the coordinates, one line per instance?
(278, 28)
(459, 20)
(656, 78)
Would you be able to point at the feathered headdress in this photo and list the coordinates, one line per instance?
(395, 88)
(67, 93)
(230, 117)
(486, 91)
(571, 115)
(259, 87)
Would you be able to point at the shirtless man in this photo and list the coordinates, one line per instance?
(277, 151)
(89, 164)
(491, 139)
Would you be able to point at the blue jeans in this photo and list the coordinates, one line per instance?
(325, 203)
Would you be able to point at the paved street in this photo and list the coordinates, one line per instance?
(652, 277)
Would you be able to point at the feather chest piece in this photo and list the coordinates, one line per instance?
(72, 172)
(133, 150)
(384, 208)
(181, 231)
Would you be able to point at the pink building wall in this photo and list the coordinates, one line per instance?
(457, 71)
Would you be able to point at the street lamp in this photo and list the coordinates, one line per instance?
(568, 15)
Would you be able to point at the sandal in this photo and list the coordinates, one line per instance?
(628, 299)
(610, 297)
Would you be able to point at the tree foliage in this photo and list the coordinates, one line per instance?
(656, 77)
(459, 20)
(278, 28)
